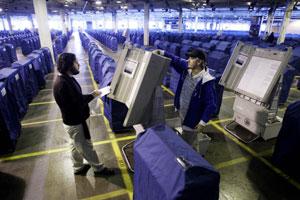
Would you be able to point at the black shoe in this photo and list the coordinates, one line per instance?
(106, 172)
(84, 170)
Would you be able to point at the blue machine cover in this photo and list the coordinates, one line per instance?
(287, 81)
(42, 60)
(29, 80)
(26, 47)
(158, 175)
(48, 59)
(11, 52)
(287, 147)
(15, 88)
(10, 124)
(4, 57)
(39, 70)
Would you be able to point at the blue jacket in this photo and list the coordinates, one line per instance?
(203, 101)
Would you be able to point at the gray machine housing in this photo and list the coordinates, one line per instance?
(255, 76)
(137, 75)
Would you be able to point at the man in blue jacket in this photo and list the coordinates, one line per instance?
(195, 96)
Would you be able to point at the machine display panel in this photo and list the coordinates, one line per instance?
(241, 60)
(130, 67)
(258, 76)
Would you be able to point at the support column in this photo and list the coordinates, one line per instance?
(3, 23)
(163, 27)
(180, 21)
(29, 17)
(128, 23)
(9, 23)
(114, 18)
(146, 24)
(286, 21)
(41, 14)
(71, 24)
(63, 21)
(196, 24)
(68, 23)
(271, 25)
(268, 21)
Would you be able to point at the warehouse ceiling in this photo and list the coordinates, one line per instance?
(26, 6)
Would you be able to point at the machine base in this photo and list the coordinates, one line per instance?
(240, 132)
(269, 131)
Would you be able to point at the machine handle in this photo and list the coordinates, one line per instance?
(184, 163)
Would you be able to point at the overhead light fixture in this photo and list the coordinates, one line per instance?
(54, 11)
(66, 5)
(204, 4)
(98, 2)
(118, 1)
(124, 6)
(1, 9)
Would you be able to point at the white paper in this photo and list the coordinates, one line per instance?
(104, 91)
(259, 75)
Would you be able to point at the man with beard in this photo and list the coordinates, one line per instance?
(75, 111)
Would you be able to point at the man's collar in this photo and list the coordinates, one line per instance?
(198, 76)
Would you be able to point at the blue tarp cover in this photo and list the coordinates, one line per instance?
(287, 147)
(15, 88)
(38, 69)
(10, 124)
(158, 175)
(29, 80)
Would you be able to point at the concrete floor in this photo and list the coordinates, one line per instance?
(41, 167)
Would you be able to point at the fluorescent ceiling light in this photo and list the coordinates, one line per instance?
(98, 2)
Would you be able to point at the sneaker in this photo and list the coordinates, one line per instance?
(84, 170)
(106, 172)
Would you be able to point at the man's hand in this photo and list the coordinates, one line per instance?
(199, 128)
(96, 93)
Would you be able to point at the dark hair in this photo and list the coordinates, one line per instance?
(65, 62)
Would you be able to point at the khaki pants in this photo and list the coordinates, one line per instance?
(82, 148)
